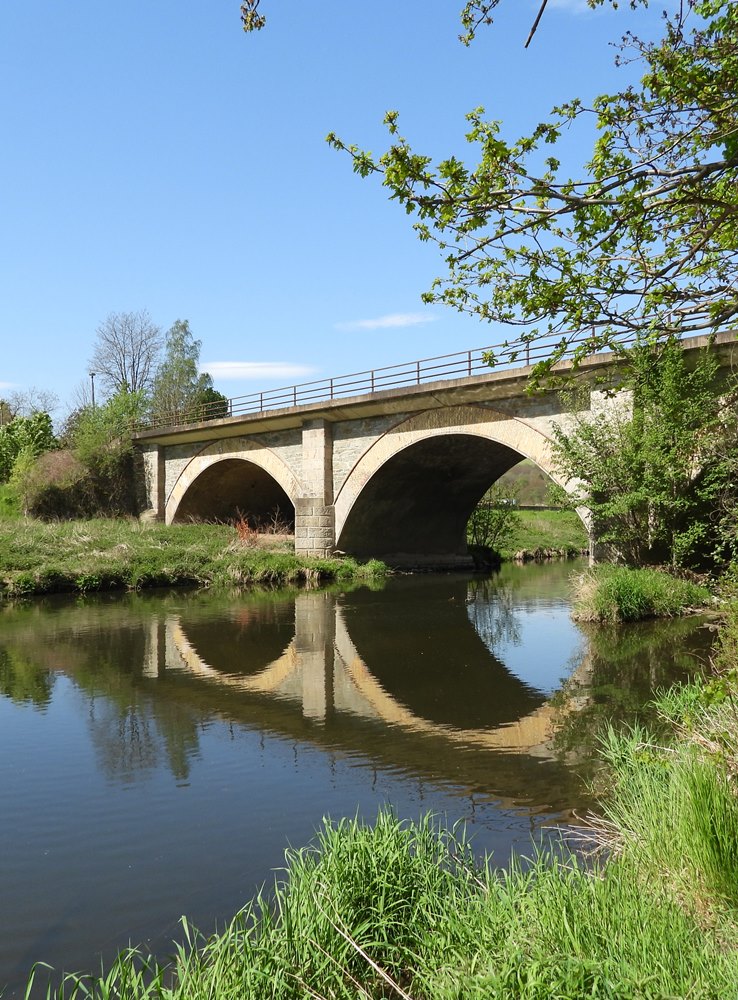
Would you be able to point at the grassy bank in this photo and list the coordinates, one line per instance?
(81, 556)
(613, 594)
(403, 910)
(544, 530)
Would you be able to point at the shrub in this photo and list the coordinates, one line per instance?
(613, 594)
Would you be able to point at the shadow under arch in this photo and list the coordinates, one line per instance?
(231, 477)
(413, 491)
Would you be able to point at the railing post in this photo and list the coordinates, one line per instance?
(527, 352)
(372, 375)
(418, 378)
(331, 388)
(469, 358)
(294, 394)
(261, 402)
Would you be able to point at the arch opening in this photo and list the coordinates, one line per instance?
(418, 503)
(233, 488)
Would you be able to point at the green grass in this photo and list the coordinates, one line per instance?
(402, 910)
(540, 530)
(81, 556)
(9, 506)
(681, 791)
(614, 594)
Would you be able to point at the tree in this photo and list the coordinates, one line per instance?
(660, 478)
(180, 390)
(101, 437)
(28, 436)
(643, 242)
(126, 352)
(495, 520)
(26, 402)
(474, 14)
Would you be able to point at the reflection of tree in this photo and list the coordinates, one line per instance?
(131, 727)
(23, 680)
(490, 606)
(626, 665)
(134, 727)
(123, 738)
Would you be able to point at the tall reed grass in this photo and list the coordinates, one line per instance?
(614, 594)
(403, 910)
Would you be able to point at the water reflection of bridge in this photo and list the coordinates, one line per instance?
(412, 680)
(322, 672)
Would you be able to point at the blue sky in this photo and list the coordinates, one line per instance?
(156, 157)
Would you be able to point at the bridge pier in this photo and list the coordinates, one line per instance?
(315, 519)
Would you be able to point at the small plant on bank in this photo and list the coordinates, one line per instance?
(494, 521)
(247, 533)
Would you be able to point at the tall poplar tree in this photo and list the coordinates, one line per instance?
(180, 390)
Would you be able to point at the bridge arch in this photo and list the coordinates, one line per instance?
(416, 486)
(234, 474)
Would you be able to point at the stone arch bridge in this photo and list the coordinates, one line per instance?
(394, 473)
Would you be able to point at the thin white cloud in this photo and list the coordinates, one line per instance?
(7, 385)
(390, 321)
(244, 371)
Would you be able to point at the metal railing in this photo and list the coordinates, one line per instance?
(461, 364)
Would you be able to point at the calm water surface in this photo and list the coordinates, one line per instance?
(158, 753)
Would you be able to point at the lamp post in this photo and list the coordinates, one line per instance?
(92, 384)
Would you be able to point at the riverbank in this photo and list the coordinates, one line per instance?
(83, 556)
(546, 534)
(38, 557)
(612, 595)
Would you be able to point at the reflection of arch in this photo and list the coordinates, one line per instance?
(230, 451)
(373, 701)
(416, 486)
(524, 734)
(267, 681)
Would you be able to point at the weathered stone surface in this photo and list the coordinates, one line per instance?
(395, 471)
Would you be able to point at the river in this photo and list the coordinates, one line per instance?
(158, 752)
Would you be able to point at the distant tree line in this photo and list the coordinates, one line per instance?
(143, 376)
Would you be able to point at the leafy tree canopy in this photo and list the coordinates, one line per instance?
(180, 388)
(31, 435)
(101, 435)
(644, 242)
(660, 479)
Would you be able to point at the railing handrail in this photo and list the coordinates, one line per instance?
(464, 363)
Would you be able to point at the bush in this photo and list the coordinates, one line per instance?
(59, 486)
(614, 594)
(9, 506)
(495, 519)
